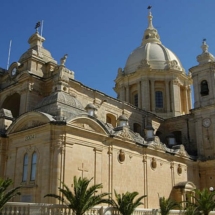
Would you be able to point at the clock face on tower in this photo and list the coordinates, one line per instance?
(13, 72)
(206, 122)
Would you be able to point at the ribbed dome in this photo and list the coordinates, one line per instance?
(152, 53)
(61, 97)
(156, 55)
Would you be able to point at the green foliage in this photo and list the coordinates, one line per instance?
(202, 201)
(125, 203)
(5, 195)
(82, 198)
(167, 204)
(190, 209)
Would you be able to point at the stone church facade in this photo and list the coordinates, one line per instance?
(148, 140)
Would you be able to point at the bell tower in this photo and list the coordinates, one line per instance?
(204, 78)
(204, 94)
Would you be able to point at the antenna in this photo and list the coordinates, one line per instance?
(8, 59)
(41, 29)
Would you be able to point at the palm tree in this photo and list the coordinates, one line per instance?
(125, 203)
(5, 196)
(203, 201)
(167, 204)
(83, 197)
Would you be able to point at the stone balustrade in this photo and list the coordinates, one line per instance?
(20, 208)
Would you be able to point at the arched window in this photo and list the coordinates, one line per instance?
(33, 166)
(204, 88)
(159, 99)
(25, 168)
(136, 100)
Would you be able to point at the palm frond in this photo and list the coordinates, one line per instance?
(125, 203)
(5, 195)
(82, 197)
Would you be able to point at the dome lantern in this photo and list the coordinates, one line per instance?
(151, 34)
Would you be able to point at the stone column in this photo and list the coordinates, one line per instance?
(189, 97)
(167, 96)
(176, 98)
(186, 100)
(153, 95)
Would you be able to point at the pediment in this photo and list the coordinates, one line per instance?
(88, 124)
(29, 120)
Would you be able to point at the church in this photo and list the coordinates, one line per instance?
(148, 139)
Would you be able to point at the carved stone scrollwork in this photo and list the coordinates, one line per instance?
(176, 82)
(144, 64)
(173, 65)
(125, 133)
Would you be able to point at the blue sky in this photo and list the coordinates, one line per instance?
(99, 35)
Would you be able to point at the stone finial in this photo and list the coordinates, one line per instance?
(206, 56)
(63, 60)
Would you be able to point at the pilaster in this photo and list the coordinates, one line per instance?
(153, 95)
(98, 166)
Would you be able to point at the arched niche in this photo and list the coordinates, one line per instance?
(111, 119)
(12, 103)
(182, 191)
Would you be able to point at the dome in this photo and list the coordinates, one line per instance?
(152, 54)
(157, 56)
(60, 97)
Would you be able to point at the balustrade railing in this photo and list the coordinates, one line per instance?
(20, 208)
